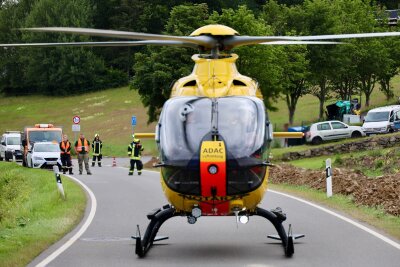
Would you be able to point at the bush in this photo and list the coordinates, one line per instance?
(379, 164)
(13, 191)
(338, 160)
(375, 153)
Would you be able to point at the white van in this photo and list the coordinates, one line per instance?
(10, 146)
(381, 120)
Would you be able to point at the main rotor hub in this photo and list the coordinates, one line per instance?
(215, 30)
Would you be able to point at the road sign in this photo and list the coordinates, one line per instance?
(133, 120)
(76, 119)
(76, 128)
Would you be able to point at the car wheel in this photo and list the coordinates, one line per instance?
(316, 140)
(1, 159)
(356, 134)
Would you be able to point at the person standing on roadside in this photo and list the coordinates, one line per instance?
(97, 145)
(65, 150)
(82, 150)
(135, 153)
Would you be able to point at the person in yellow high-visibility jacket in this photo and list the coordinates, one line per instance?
(135, 153)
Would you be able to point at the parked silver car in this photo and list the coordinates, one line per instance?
(330, 130)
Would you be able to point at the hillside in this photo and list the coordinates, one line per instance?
(105, 112)
(109, 113)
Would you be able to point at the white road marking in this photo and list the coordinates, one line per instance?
(356, 224)
(88, 221)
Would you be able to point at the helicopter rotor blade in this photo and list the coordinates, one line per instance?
(235, 41)
(299, 42)
(204, 41)
(106, 44)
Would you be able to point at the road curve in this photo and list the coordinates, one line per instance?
(123, 202)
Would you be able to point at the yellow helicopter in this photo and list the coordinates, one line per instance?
(214, 133)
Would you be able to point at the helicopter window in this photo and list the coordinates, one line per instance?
(185, 121)
(238, 83)
(191, 83)
(241, 122)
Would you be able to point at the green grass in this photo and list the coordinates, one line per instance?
(34, 214)
(107, 113)
(318, 163)
(280, 151)
(375, 217)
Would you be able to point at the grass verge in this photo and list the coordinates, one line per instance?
(376, 217)
(318, 163)
(33, 214)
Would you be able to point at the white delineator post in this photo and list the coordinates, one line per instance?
(328, 171)
(58, 181)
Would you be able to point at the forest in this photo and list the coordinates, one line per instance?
(355, 68)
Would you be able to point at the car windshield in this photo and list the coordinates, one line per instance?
(377, 116)
(44, 136)
(47, 148)
(186, 121)
(13, 141)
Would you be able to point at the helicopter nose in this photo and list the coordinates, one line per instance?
(213, 175)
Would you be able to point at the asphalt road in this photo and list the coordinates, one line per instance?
(123, 202)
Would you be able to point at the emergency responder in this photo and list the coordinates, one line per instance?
(97, 145)
(65, 148)
(82, 149)
(135, 152)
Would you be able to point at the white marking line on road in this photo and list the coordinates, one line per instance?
(362, 227)
(89, 220)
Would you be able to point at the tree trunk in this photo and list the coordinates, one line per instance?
(322, 98)
(291, 115)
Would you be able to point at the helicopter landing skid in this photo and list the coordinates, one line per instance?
(276, 217)
(157, 217)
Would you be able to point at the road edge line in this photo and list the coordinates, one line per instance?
(80, 232)
(358, 225)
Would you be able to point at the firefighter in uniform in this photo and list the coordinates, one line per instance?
(135, 152)
(97, 145)
(65, 148)
(82, 149)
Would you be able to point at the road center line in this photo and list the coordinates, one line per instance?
(84, 227)
(356, 224)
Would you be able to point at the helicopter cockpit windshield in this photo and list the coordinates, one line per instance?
(187, 121)
(239, 121)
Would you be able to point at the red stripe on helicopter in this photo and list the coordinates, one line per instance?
(213, 177)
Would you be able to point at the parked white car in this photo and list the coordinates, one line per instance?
(44, 155)
(330, 130)
(10, 145)
(381, 120)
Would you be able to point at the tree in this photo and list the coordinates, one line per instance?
(12, 16)
(259, 62)
(390, 65)
(61, 70)
(156, 69)
(320, 20)
(372, 61)
(296, 82)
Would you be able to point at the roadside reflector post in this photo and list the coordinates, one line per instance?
(58, 181)
(114, 162)
(328, 171)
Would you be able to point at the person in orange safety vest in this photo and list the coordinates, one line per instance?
(82, 150)
(65, 151)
